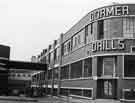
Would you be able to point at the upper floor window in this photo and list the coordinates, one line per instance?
(129, 27)
(78, 39)
(67, 47)
(86, 34)
(100, 33)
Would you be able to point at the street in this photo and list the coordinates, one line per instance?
(29, 100)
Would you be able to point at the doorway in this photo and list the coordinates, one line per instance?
(106, 88)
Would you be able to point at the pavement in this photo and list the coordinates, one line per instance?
(50, 99)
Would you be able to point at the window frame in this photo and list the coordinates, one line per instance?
(114, 68)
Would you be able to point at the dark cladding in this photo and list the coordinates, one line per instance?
(4, 51)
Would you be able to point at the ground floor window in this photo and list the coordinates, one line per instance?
(64, 91)
(129, 66)
(75, 92)
(87, 93)
(55, 91)
(49, 91)
(50, 74)
(88, 67)
(64, 72)
(76, 70)
(81, 92)
(129, 94)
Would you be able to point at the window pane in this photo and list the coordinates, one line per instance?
(76, 92)
(129, 94)
(88, 67)
(64, 72)
(129, 66)
(108, 64)
(76, 70)
(87, 93)
(64, 91)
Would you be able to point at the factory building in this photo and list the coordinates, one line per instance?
(95, 59)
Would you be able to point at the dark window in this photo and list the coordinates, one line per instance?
(49, 58)
(91, 26)
(29, 75)
(18, 75)
(88, 67)
(133, 49)
(100, 29)
(76, 92)
(129, 94)
(64, 72)
(76, 70)
(64, 91)
(86, 34)
(49, 74)
(55, 73)
(55, 92)
(55, 56)
(87, 93)
(129, 66)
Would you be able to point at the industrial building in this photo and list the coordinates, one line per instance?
(95, 59)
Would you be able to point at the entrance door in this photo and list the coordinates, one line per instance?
(109, 89)
(106, 88)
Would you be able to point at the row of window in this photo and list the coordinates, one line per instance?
(53, 56)
(72, 92)
(107, 66)
(104, 29)
(19, 75)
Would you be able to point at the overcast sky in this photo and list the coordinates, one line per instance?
(28, 26)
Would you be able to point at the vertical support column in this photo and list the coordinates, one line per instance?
(69, 74)
(94, 75)
(83, 68)
(60, 63)
(52, 83)
(120, 74)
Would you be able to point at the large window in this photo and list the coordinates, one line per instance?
(50, 74)
(112, 28)
(86, 35)
(128, 94)
(64, 91)
(77, 92)
(76, 70)
(78, 39)
(67, 47)
(129, 66)
(64, 72)
(55, 73)
(100, 34)
(129, 27)
(56, 54)
(87, 67)
(108, 66)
